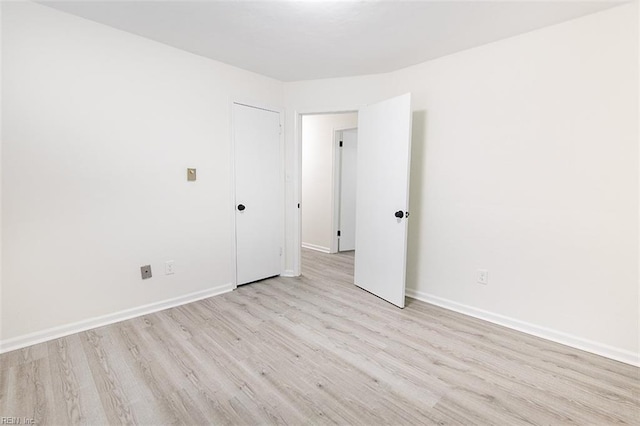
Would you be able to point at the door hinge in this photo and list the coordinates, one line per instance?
(338, 233)
(340, 144)
(280, 128)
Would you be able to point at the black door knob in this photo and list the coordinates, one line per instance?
(399, 214)
(241, 207)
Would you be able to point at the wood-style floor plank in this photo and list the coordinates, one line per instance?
(313, 350)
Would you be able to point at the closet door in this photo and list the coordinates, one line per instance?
(259, 213)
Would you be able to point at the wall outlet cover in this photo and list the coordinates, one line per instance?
(145, 271)
(169, 267)
(483, 276)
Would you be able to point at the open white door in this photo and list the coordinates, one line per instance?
(382, 198)
(258, 193)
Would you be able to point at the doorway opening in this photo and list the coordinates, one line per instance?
(382, 200)
(328, 182)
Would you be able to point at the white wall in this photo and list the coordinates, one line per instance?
(525, 163)
(99, 127)
(1, 102)
(318, 156)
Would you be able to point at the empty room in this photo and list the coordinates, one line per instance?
(320, 212)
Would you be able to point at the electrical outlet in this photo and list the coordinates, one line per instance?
(169, 267)
(483, 276)
(145, 271)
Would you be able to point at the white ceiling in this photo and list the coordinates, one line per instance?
(307, 40)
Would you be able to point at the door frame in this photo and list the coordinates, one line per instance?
(297, 181)
(281, 167)
(337, 187)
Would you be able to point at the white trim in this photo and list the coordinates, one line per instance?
(258, 105)
(297, 170)
(567, 339)
(296, 255)
(283, 192)
(234, 246)
(100, 321)
(288, 273)
(638, 130)
(316, 248)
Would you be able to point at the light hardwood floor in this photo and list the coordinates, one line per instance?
(313, 350)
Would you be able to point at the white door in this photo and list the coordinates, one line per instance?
(348, 168)
(382, 199)
(258, 193)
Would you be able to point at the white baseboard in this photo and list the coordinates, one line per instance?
(567, 339)
(316, 248)
(288, 273)
(76, 327)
